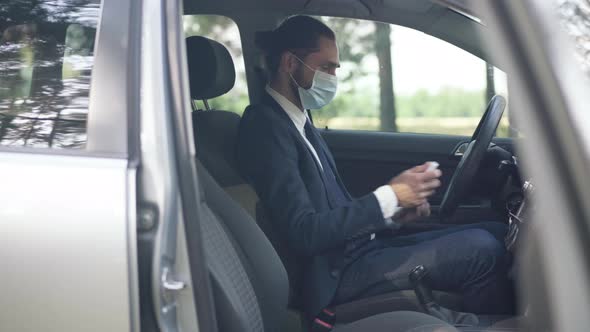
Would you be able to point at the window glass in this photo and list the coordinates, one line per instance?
(398, 79)
(575, 19)
(46, 56)
(225, 31)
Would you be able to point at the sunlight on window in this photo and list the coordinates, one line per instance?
(574, 17)
(437, 87)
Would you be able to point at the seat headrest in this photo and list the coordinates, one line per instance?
(210, 68)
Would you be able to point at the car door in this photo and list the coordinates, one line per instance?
(173, 274)
(425, 109)
(67, 171)
(551, 76)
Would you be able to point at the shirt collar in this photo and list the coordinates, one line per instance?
(298, 117)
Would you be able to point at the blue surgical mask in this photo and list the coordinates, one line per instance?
(322, 90)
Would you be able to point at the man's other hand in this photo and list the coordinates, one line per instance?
(415, 185)
(411, 214)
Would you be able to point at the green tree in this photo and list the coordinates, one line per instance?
(358, 39)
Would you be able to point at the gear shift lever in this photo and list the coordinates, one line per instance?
(424, 294)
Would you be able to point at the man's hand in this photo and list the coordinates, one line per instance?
(415, 185)
(411, 214)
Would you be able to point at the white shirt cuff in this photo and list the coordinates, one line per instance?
(387, 201)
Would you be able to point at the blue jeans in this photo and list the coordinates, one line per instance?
(469, 260)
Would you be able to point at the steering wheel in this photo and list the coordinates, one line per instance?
(470, 162)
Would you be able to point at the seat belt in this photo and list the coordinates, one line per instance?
(324, 322)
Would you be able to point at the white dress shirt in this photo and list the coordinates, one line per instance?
(384, 194)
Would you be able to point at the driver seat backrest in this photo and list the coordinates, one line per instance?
(212, 74)
(250, 284)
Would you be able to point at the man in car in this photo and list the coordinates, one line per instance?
(349, 244)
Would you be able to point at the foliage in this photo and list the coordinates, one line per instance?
(449, 102)
(575, 18)
(359, 42)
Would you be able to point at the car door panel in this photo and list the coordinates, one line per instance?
(367, 160)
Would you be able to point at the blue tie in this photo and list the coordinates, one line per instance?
(336, 193)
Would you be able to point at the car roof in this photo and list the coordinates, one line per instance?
(450, 20)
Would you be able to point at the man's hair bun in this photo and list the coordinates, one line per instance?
(266, 41)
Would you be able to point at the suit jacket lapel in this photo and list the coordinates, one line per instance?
(333, 166)
(270, 101)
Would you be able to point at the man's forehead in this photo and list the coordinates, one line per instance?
(327, 51)
(327, 44)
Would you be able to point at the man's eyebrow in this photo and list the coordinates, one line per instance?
(334, 64)
(303, 51)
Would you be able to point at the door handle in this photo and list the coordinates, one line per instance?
(460, 149)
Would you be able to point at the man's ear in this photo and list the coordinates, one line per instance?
(288, 62)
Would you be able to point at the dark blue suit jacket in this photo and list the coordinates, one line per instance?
(275, 159)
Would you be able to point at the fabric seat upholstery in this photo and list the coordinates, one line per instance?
(250, 284)
(215, 135)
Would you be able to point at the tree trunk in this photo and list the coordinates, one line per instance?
(490, 87)
(386, 94)
(5, 121)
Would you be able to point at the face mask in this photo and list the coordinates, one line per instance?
(322, 90)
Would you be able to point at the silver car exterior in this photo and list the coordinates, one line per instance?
(68, 180)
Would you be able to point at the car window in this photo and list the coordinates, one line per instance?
(574, 17)
(46, 56)
(398, 79)
(225, 31)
